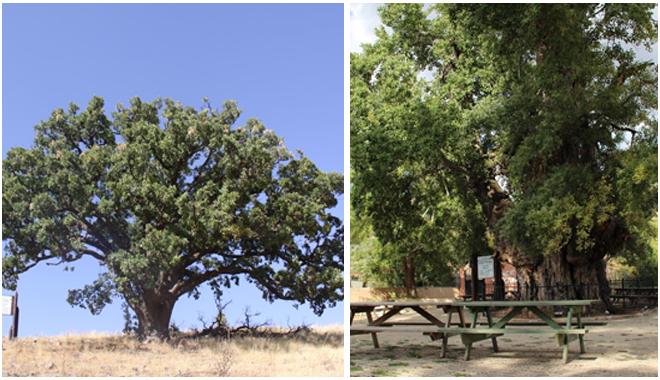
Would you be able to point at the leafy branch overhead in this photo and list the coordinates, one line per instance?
(169, 197)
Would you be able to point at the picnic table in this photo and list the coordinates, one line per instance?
(429, 325)
(635, 293)
(564, 334)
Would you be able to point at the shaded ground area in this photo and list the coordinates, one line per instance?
(626, 346)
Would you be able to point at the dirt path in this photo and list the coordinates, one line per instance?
(626, 346)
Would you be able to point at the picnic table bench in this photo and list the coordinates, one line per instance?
(634, 294)
(564, 334)
(392, 308)
(569, 330)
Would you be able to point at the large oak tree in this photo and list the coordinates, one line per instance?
(541, 114)
(168, 198)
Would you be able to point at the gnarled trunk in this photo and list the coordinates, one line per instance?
(553, 277)
(567, 274)
(154, 313)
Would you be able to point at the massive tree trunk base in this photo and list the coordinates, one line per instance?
(555, 278)
(154, 319)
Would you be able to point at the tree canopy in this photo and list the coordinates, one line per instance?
(527, 129)
(168, 198)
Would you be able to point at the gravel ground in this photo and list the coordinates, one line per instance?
(626, 346)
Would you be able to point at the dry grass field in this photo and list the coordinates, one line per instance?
(316, 352)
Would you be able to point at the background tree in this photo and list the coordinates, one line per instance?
(422, 221)
(168, 198)
(538, 113)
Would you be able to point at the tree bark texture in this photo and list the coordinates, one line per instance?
(409, 281)
(154, 313)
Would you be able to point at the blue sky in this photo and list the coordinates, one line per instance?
(281, 63)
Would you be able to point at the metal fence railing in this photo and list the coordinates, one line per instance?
(622, 292)
(634, 292)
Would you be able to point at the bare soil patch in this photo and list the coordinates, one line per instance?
(626, 346)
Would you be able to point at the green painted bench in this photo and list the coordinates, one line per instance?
(564, 334)
(471, 335)
(569, 330)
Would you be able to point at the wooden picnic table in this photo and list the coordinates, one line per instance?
(564, 334)
(392, 308)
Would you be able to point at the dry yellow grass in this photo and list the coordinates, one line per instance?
(319, 352)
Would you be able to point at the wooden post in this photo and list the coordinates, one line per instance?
(483, 289)
(16, 310)
(499, 292)
(475, 277)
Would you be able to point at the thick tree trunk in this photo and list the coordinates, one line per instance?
(567, 274)
(409, 281)
(555, 278)
(154, 314)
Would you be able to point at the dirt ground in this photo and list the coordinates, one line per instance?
(626, 346)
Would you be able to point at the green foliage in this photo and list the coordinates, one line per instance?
(95, 296)
(167, 198)
(130, 320)
(569, 204)
(481, 126)
(641, 254)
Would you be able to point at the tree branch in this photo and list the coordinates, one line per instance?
(452, 165)
(182, 286)
(90, 229)
(192, 184)
(100, 257)
(276, 292)
(624, 129)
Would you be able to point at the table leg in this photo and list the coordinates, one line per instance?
(490, 324)
(580, 337)
(428, 316)
(468, 347)
(374, 336)
(461, 316)
(392, 312)
(564, 356)
(445, 336)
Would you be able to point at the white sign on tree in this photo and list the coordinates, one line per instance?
(486, 266)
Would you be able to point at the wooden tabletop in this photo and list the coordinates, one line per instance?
(524, 303)
(401, 303)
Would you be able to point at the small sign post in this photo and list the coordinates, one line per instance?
(486, 266)
(7, 305)
(10, 307)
